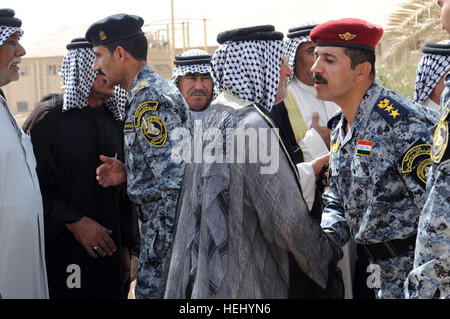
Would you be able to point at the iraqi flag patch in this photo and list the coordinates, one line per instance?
(364, 148)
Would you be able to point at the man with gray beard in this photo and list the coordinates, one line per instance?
(236, 222)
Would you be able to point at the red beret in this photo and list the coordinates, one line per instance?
(349, 32)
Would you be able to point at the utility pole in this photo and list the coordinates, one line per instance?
(188, 43)
(184, 37)
(173, 32)
(204, 27)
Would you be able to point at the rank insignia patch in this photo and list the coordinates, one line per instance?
(364, 148)
(440, 140)
(417, 161)
(390, 110)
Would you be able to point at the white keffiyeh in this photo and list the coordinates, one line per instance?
(430, 70)
(181, 70)
(249, 69)
(78, 78)
(7, 31)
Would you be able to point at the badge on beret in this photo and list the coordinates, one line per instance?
(102, 35)
(440, 140)
(347, 36)
(417, 161)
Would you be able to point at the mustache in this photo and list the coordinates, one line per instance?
(15, 60)
(319, 78)
(198, 92)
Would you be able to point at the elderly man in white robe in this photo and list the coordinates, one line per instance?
(22, 261)
(239, 219)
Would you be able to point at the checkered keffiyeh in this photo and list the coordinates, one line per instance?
(181, 70)
(6, 32)
(249, 69)
(430, 70)
(292, 46)
(78, 78)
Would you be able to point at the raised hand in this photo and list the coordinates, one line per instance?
(111, 173)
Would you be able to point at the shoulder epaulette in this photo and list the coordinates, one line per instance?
(140, 85)
(334, 119)
(390, 110)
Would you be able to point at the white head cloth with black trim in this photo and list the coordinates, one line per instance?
(432, 67)
(191, 61)
(9, 25)
(297, 36)
(78, 78)
(247, 64)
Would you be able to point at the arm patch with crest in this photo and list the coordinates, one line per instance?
(417, 162)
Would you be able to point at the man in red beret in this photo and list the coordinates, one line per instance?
(380, 154)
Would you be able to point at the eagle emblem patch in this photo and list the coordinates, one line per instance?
(347, 36)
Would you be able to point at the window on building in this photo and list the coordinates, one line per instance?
(24, 71)
(22, 106)
(53, 69)
(162, 67)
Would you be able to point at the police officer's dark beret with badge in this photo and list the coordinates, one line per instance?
(114, 28)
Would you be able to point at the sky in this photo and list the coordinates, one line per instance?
(49, 16)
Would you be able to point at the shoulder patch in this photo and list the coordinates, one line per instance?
(440, 140)
(417, 161)
(334, 119)
(390, 110)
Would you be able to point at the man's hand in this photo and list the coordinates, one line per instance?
(323, 131)
(91, 234)
(126, 259)
(111, 173)
(318, 163)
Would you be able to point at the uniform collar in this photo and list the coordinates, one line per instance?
(362, 116)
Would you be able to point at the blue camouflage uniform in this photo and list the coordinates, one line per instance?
(377, 179)
(430, 277)
(155, 108)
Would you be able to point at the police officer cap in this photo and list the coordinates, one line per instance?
(263, 32)
(301, 30)
(79, 43)
(348, 32)
(192, 59)
(7, 18)
(114, 28)
(440, 48)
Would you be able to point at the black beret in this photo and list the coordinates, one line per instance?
(7, 18)
(114, 28)
(437, 48)
(301, 30)
(79, 43)
(192, 59)
(262, 32)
